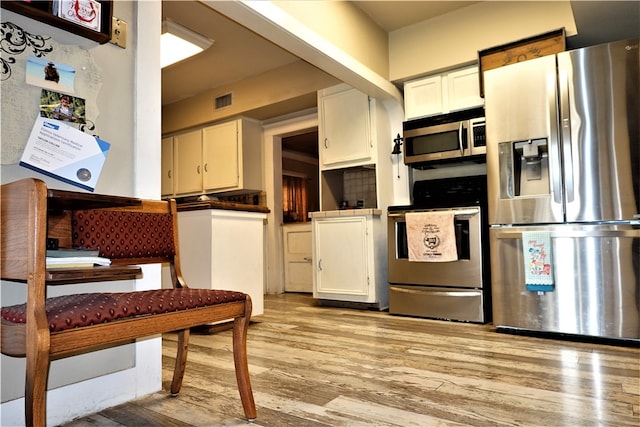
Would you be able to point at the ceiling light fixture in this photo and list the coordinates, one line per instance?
(178, 43)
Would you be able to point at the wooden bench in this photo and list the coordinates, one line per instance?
(130, 232)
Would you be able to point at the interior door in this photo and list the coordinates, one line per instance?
(298, 263)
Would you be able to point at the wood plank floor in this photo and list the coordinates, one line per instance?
(323, 366)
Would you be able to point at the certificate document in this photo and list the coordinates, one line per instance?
(65, 153)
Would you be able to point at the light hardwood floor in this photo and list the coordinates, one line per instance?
(323, 366)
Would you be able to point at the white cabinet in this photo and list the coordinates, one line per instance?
(349, 254)
(232, 156)
(442, 93)
(220, 156)
(167, 167)
(187, 158)
(345, 123)
(223, 157)
(423, 97)
(224, 249)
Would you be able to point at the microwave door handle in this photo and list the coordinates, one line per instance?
(460, 139)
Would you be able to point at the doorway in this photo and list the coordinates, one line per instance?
(276, 153)
(300, 195)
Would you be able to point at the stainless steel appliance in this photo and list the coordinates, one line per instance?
(563, 150)
(455, 290)
(449, 136)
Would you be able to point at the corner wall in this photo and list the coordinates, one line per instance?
(133, 129)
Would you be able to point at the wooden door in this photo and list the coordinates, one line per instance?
(298, 263)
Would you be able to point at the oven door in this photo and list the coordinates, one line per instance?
(466, 272)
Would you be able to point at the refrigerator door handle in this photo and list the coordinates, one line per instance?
(567, 152)
(555, 164)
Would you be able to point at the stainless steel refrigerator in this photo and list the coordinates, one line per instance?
(563, 150)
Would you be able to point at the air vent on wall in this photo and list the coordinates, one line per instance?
(223, 101)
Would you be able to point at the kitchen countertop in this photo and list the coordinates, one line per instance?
(194, 206)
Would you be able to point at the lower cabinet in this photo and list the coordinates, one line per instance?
(349, 254)
(224, 249)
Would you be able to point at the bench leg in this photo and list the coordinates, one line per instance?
(35, 396)
(240, 326)
(181, 361)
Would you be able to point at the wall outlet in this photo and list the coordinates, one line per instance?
(119, 32)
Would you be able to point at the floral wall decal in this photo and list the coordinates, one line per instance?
(15, 41)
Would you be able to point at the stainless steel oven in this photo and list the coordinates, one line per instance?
(455, 290)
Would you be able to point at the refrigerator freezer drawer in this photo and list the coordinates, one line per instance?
(438, 303)
(596, 275)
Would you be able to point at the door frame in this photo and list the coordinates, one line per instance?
(273, 132)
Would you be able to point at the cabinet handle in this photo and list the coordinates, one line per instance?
(198, 169)
(320, 265)
(168, 174)
(206, 169)
(326, 143)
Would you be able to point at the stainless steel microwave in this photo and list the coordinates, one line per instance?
(439, 139)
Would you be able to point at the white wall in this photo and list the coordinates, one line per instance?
(454, 39)
(129, 119)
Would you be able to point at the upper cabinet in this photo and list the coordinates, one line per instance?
(232, 156)
(443, 93)
(355, 142)
(219, 158)
(187, 162)
(344, 133)
(167, 166)
(91, 20)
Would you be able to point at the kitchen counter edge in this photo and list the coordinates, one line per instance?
(183, 207)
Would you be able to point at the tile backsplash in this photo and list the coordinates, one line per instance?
(360, 184)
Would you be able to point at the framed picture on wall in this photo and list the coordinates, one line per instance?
(82, 12)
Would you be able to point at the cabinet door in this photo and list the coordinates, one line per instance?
(423, 97)
(187, 161)
(341, 258)
(167, 167)
(345, 122)
(220, 156)
(463, 89)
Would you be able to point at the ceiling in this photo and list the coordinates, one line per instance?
(238, 53)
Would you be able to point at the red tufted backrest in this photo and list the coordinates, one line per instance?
(124, 234)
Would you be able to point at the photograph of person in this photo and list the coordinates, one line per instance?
(50, 75)
(59, 106)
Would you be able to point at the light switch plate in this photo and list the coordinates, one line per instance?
(119, 32)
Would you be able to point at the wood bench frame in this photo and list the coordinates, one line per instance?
(29, 212)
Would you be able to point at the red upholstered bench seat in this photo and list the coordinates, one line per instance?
(78, 310)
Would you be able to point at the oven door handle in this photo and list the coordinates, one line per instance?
(460, 212)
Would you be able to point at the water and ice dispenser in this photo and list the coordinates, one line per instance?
(524, 168)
